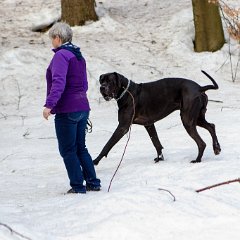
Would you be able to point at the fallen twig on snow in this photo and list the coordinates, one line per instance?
(219, 184)
(3, 116)
(6, 157)
(217, 101)
(13, 231)
(19, 95)
(161, 189)
(175, 125)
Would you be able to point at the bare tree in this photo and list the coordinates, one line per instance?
(231, 18)
(77, 12)
(209, 34)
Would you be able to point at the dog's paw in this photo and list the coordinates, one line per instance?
(217, 149)
(159, 158)
(195, 161)
(96, 161)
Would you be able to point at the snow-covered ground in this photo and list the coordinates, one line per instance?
(144, 40)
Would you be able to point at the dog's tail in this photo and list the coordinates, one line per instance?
(214, 86)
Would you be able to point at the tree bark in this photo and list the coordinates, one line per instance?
(209, 34)
(77, 12)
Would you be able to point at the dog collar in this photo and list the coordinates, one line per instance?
(125, 90)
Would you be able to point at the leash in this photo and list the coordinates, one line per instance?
(125, 90)
(129, 135)
(89, 126)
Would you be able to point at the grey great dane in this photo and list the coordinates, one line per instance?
(147, 103)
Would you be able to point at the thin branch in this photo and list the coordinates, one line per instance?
(26, 134)
(230, 57)
(227, 23)
(231, 21)
(3, 116)
(235, 76)
(6, 157)
(13, 231)
(217, 185)
(175, 125)
(151, 67)
(216, 101)
(19, 95)
(161, 189)
(140, 43)
(222, 64)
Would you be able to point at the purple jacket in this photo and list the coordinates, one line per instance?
(66, 83)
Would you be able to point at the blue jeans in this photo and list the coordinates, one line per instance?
(71, 131)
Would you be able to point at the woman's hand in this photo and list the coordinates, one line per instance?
(46, 113)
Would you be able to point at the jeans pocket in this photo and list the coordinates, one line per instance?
(60, 116)
(77, 116)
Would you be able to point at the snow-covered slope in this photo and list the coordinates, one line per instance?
(144, 40)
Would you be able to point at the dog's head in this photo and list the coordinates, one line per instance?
(110, 84)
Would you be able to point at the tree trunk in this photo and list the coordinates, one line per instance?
(209, 34)
(77, 12)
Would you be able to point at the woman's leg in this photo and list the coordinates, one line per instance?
(84, 156)
(66, 131)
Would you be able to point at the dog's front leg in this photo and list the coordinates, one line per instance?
(120, 131)
(155, 140)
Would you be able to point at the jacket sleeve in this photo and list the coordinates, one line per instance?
(59, 72)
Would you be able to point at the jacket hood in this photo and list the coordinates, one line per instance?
(72, 48)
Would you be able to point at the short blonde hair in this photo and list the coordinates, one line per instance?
(62, 30)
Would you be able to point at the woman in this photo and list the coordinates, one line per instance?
(66, 97)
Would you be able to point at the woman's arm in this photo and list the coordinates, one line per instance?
(59, 72)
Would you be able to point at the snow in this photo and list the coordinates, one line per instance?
(144, 40)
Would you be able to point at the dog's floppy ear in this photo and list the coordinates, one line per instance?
(118, 80)
(101, 78)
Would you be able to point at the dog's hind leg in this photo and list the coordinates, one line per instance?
(192, 131)
(211, 128)
(202, 122)
(190, 112)
(155, 140)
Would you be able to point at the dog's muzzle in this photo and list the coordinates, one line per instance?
(104, 90)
